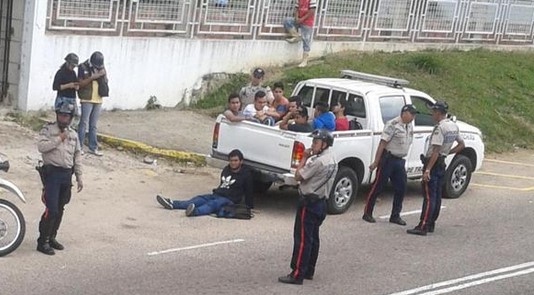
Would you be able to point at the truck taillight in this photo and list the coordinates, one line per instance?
(296, 156)
(215, 141)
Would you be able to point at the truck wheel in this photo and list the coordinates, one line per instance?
(457, 177)
(344, 190)
(261, 187)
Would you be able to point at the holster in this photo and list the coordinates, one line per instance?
(42, 171)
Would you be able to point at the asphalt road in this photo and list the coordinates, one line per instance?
(125, 243)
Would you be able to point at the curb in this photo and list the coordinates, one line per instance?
(139, 147)
(135, 146)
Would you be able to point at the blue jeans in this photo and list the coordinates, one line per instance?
(204, 204)
(389, 168)
(90, 113)
(306, 32)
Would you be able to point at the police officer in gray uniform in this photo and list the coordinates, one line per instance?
(389, 159)
(316, 173)
(247, 93)
(61, 154)
(443, 137)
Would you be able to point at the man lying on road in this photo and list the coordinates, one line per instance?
(236, 183)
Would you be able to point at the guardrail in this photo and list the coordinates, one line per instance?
(449, 21)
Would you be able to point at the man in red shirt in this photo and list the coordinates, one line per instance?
(303, 20)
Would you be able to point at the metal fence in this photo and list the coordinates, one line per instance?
(453, 21)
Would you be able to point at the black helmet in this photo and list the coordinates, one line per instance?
(65, 108)
(323, 135)
(72, 58)
(97, 59)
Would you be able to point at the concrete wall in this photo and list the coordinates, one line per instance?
(168, 68)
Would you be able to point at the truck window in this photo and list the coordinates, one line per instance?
(306, 94)
(338, 96)
(321, 94)
(355, 106)
(424, 116)
(390, 106)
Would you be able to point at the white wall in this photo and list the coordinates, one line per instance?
(167, 68)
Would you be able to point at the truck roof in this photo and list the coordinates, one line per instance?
(354, 85)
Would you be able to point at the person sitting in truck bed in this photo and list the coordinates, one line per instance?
(295, 102)
(338, 108)
(301, 122)
(323, 119)
(257, 111)
(233, 113)
(278, 107)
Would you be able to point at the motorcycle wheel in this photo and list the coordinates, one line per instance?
(12, 227)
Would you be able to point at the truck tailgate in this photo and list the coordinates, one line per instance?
(263, 144)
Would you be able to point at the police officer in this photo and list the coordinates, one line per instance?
(316, 173)
(443, 136)
(61, 158)
(389, 159)
(247, 93)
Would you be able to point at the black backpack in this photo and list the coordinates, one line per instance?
(238, 211)
(355, 125)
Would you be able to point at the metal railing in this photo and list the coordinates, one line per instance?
(453, 21)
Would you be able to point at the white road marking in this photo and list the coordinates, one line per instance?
(406, 213)
(195, 247)
(472, 277)
(480, 282)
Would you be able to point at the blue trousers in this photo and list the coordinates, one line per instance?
(90, 114)
(204, 204)
(306, 32)
(57, 193)
(432, 196)
(389, 168)
(310, 216)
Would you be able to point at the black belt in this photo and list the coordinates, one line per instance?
(390, 155)
(52, 168)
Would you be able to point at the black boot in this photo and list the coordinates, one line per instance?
(55, 244)
(43, 246)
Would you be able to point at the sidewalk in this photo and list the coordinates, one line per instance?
(175, 134)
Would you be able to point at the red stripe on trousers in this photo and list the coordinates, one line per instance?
(427, 197)
(301, 246)
(373, 188)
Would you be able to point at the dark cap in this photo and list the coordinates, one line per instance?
(72, 58)
(440, 106)
(258, 73)
(409, 108)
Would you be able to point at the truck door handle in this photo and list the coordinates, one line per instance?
(419, 136)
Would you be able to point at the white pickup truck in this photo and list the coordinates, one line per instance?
(372, 100)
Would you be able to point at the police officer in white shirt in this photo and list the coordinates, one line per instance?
(443, 137)
(389, 162)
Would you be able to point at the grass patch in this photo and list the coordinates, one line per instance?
(32, 120)
(492, 90)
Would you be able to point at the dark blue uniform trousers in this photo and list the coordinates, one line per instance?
(310, 216)
(389, 168)
(57, 193)
(432, 191)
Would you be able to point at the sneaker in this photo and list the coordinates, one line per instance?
(190, 209)
(293, 39)
(368, 218)
(96, 152)
(165, 202)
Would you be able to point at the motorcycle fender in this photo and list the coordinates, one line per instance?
(7, 185)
